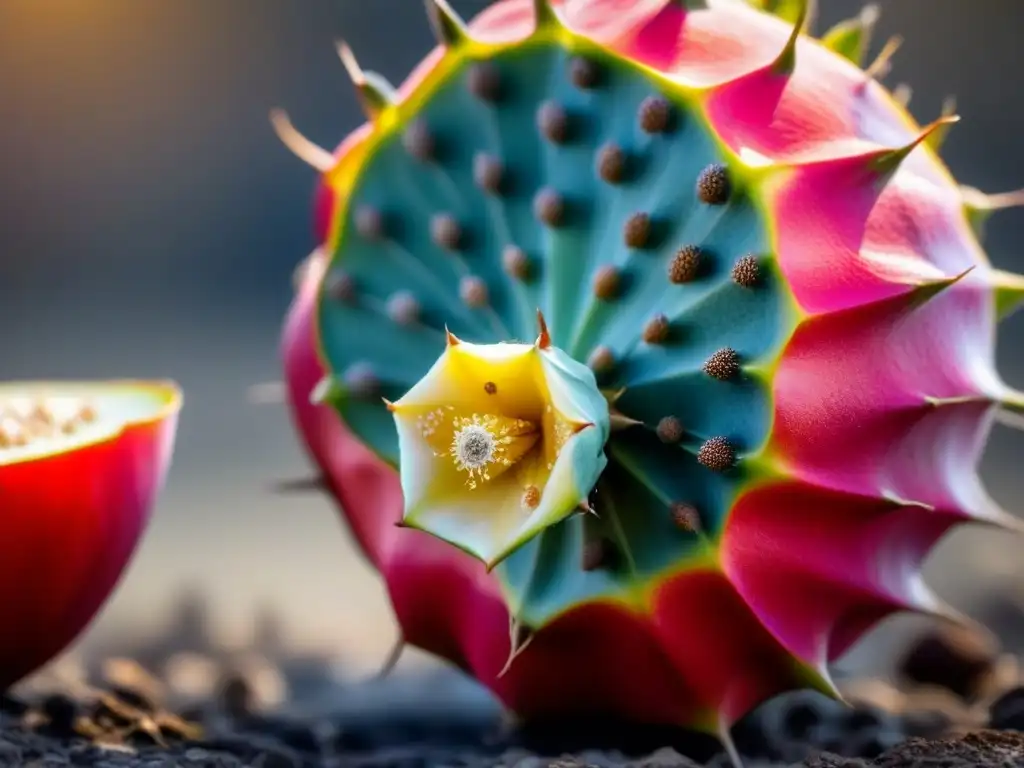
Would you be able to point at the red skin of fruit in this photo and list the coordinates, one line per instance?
(70, 524)
(793, 583)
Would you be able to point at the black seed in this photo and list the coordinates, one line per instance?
(746, 272)
(484, 82)
(361, 380)
(488, 172)
(723, 365)
(446, 232)
(403, 308)
(657, 329)
(670, 430)
(549, 207)
(686, 516)
(601, 360)
(369, 222)
(637, 230)
(685, 264)
(717, 454)
(607, 282)
(585, 74)
(490, 387)
(418, 141)
(553, 122)
(515, 262)
(655, 113)
(713, 185)
(473, 292)
(339, 286)
(611, 163)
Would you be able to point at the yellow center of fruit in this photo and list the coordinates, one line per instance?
(26, 419)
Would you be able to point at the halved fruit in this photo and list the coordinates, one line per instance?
(81, 464)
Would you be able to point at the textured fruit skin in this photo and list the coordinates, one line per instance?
(70, 523)
(881, 399)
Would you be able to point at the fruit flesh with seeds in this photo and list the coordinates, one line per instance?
(81, 464)
(832, 320)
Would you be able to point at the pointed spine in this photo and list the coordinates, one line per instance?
(450, 339)
(448, 27)
(888, 161)
(545, 16)
(543, 337)
(375, 94)
(938, 136)
(1008, 291)
(304, 149)
(786, 61)
(979, 207)
(851, 38)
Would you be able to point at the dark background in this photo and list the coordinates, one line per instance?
(150, 222)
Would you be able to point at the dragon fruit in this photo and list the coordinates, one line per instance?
(648, 350)
(81, 464)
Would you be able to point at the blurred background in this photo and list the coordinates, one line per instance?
(150, 222)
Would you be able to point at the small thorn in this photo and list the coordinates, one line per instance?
(613, 395)
(449, 29)
(938, 136)
(545, 16)
(926, 291)
(304, 149)
(1008, 289)
(851, 38)
(451, 340)
(375, 94)
(889, 161)
(585, 508)
(389, 405)
(619, 421)
(726, 740)
(325, 391)
(901, 94)
(544, 338)
(786, 61)
(882, 64)
(979, 207)
(519, 640)
(392, 659)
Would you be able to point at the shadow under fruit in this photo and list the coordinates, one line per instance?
(759, 385)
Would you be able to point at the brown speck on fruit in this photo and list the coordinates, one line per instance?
(488, 172)
(670, 430)
(531, 497)
(717, 454)
(490, 387)
(686, 516)
(657, 329)
(419, 141)
(611, 163)
(713, 185)
(446, 232)
(549, 207)
(601, 360)
(403, 308)
(595, 554)
(607, 282)
(684, 264)
(553, 122)
(637, 230)
(585, 74)
(515, 262)
(723, 365)
(484, 82)
(339, 286)
(655, 113)
(369, 222)
(473, 291)
(746, 271)
(360, 380)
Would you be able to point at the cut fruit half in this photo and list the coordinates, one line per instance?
(81, 464)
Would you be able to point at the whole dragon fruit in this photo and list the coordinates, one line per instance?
(759, 386)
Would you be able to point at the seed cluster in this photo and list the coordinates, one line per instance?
(686, 516)
(717, 454)
(746, 271)
(637, 230)
(549, 207)
(723, 365)
(601, 360)
(611, 163)
(24, 420)
(670, 430)
(655, 114)
(488, 173)
(685, 264)
(484, 82)
(403, 308)
(657, 330)
(419, 141)
(607, 282)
